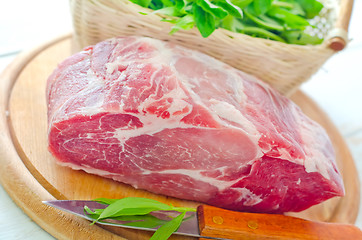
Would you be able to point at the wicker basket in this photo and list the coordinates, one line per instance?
(284, 66)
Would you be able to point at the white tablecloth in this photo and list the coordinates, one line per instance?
(337, 87)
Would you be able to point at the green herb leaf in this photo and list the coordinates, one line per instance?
(142, 3)
(135, 212)
(167, 3)
(105, 200)
(264, 21)
(311, 7)
(132, 206)
(165, 231)
(209, 7)
(291, 20)
(180, 5)
(94, 215)
(260, 18)
(262, 6)
(231, 23)
(260, 32)
(144, 221)
(301, 38)
(187, 22)
(205, 21)
(241, 3)
(170, 11)
(291, 5)
(232, 9)
(88, 210)
(155, 4)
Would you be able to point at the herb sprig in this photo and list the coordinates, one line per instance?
(137, 212)
(280, 20)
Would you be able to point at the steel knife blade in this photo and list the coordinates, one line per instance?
(216, 223)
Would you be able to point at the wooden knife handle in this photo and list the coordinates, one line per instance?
(220, 223)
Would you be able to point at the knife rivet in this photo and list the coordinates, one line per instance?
(217, 219)
(253, 224)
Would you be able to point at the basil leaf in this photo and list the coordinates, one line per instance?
(291, 20)
(155, 4)
(145, 221)
(142, 3)
(180, 5)
(170, 11)
(187, 22)
(265, 22)
(291, 5)
(209, 7)
(232, 9)
(205, 21)
(262, 6)
(311, 7)
(301, 38)
(94, 215)
(285, 4)
(167, 3)
(105, 200)
(134, 211)
(241, 3)
(231, 23)
(134, 202)
(259, 32)
(298, 10)
(133, 206)
(166, 230)
(88, 210)
(142, 205)
(270, 20)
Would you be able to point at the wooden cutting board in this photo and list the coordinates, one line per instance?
(29, 174)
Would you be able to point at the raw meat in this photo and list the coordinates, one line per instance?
(177, 122)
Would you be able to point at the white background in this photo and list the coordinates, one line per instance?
(337, 87)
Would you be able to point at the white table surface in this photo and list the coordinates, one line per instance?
(337, 87)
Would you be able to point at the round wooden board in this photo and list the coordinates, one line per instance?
(29, 173)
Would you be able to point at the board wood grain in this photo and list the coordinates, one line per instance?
(29, 173)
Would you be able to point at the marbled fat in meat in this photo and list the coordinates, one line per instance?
(177, 122)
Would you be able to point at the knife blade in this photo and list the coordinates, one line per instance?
(216, 223)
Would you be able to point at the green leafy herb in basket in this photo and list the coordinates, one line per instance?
(280, 20)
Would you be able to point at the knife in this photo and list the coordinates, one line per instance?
(216, 223)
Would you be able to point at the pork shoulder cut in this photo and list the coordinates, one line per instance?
(177, 122)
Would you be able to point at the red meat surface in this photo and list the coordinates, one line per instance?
(177, 122)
